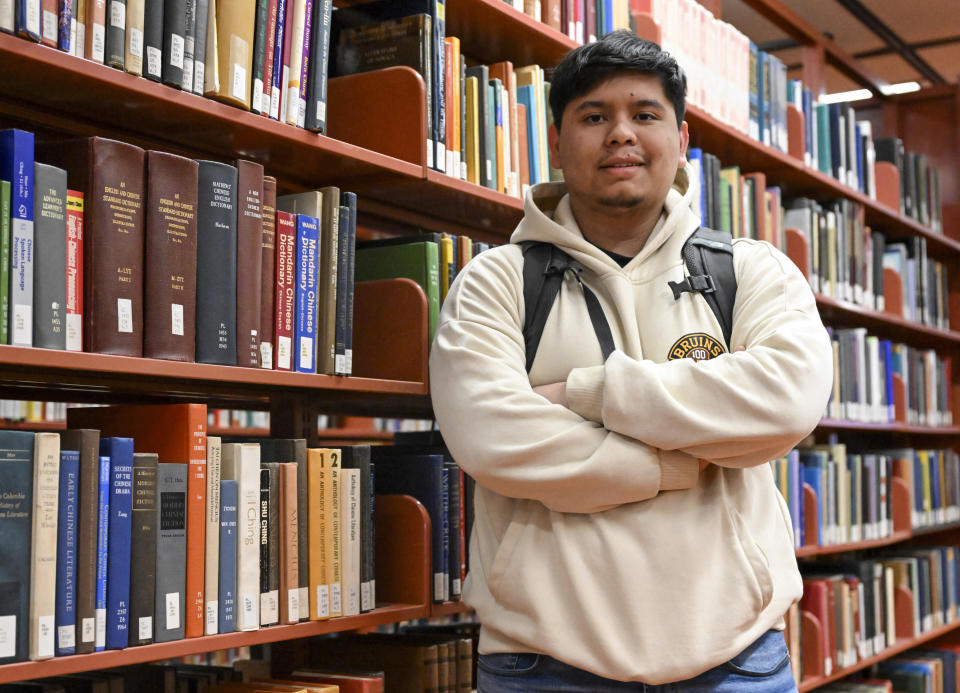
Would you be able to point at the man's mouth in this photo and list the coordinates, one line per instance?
(621, 164)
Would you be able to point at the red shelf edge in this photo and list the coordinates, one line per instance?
(896, 537)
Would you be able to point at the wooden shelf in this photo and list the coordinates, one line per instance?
(894, 326)
(810, 551)
(839, 425)
(179, 648)
(899, 646)
(33, 425)
(29, 373)
(322, 434)
(448, 609)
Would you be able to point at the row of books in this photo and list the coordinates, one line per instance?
(919, 670)
(581, 20)
(14, 410)
(854, 501)
(192, 45)
(854, 600)
(866, 370)
(166, 257)
(846, 259)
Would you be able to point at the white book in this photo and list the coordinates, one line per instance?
(240, 462)
(350, 540)
(211, 570)
(43, 559)
(292, 82)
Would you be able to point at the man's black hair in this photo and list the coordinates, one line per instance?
(584, 67)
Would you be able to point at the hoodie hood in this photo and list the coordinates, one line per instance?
(548, 217)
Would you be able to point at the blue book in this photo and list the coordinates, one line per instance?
(103, 526)
(858, 149)
(796, 496)
(27, 19)
(812, 476)
(65, 618)
(607, 16)
(886, 353)
(228, 556)
(527, 97)
(754, 126)
(763, 106)
(305, 303)
(65, 19)
(934, 484)
(120, 451)
(445, 528)
(807, 108)
(277, 65)
(695, 156)
(16, 166)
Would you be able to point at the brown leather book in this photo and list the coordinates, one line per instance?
(87, 442)
(110, 175)
(249, 261)
(267, 266)
(408, 666)
(464, 665)
(551, 14)
(170, 270)
(289, 555)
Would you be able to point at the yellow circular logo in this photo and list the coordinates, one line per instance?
(698, 346)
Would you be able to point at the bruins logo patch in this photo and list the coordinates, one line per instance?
(698, 346)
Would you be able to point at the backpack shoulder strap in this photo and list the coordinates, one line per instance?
(708, 256)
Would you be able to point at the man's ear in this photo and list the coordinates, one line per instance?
(553, 138)
(684, 143)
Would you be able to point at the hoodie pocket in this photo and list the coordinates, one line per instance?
(755, 557)
(508, 544)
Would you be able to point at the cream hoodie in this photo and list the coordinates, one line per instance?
(596, 540)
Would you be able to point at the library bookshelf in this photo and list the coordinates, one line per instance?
(50, 92)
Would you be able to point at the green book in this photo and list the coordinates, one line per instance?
(4, 260)
(417, 261)
(726, 209)
(823, 139)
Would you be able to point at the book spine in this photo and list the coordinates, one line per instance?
(189, 40)
(116, 33)
(285, 289)
(103, 526)
(171, 551)
(74, 286)
(118, 541)
(316, 103)
(351, 200)
(340, 334)
(293, 61)
(143, 548)
(133, 53)
(196, 521)
(329, 261)
(248, 554)
(268, 252)
(216, 331)
(43, 539)
(211, 577)
(228, 556)
(174, 31)
(66, 586)
(17, 166)
(200, 46)
(50, 257)
(305, 62)
(268, 601)
(303, 516)
(318, 481)
(153, 39)
(335, 537)
(283, 10)
(95, 30)
(6, 16)
(64, 20)
(4, 261)
(249, 254)
(259, 50)
(16, 484)
(289, 586)
(305, 324)
(88, 443)
(350, 543)
(267, 61)
(27, 17)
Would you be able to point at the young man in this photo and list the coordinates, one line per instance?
(628, 531)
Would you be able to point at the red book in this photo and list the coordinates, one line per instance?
(590, 22)
(49, 22)
(176, 433)
(463, 528)
(817, 595)
(285, 290)
(268, 248)
(268, 58)
(74, 270)
(449, 105)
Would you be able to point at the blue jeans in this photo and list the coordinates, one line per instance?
(764, 667)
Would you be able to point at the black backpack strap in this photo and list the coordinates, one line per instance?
(708, 255)
(544, 267)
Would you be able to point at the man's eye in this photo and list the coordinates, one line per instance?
(645, 116)
(593, 118)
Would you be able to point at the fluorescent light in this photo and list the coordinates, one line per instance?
(843, 96)
(902, 88)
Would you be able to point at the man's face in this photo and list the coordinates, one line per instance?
(619, 146)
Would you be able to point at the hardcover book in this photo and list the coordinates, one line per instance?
(115, 48)
(43, 539)
(170, 273)
(305, 304)
(268, 246)
(16, 166)
(50, 257)
(66, 589)
(285, 292)
(289, 584)
(111, 176)
(103, 527)
(4, 262)
(249, 255)
(212, 548)
(143, 548)
(120, 452)
(174, 37)
(74, 310)
(133, 51)
(241, 463)
(171, 551)
(16, 485)
(234, 30)
(152, 62)
(228, 556)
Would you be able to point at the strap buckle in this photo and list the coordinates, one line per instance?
(699, 283)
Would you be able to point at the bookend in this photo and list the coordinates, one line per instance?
(383, 110)
(900, 500)
(390, 330)
(903, 614)
(798, 250)
(899, 399)
(810, 516)
(892, 292)
(811, 645)
(646, 27)
(796, 132)
(888, 185)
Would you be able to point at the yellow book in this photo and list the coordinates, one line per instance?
(473, 132)
(234, 48)
(133, 51)
(318, 548)
(211, 70)
(331, 462)
(731, 174)
(454, 107)
(446, 262)
(925, 472)
(832, 286)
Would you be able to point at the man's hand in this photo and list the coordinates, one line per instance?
(554, 392)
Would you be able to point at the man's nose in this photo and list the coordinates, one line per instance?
(621, 132)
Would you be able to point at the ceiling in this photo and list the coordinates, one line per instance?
(930, 27)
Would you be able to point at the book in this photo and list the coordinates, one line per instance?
(417, 261)
(351, 203)
(116, 34)
(249, 255)
(200, 46)
(305, 303)
(143, 548)
(95, 30)
(120, 452)
(171, 551)
(49, 257)
(16, 166)
(241, 463)
(269, 575)
(269, 48)
(153, 22)
(358, 457)
(211, 577)
(27, 19)
(16, 485)
(87, 442)
(103, 526)
(66, 585)
(234, 31)
(350, 540)
(110, 174)
(170, 271)
(285, 292)
(49, 23)
(43, 540)
(74, 285)
(261, 15)
(227, 574)
(289, 584)
(268, 247)
(320, 481)
(216, 321)
(174, 36)
(344, 245)
(329, 279)
(315, 117)
(4, 261)
(189, 41)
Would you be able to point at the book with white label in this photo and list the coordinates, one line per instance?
(211, 571)
(240, 462)
(43, 557)
(143, 548)
(171, 552)
(16, 484)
